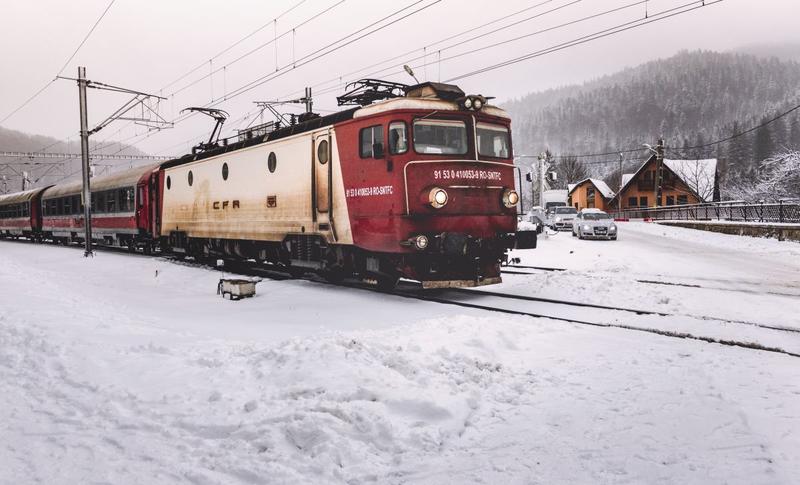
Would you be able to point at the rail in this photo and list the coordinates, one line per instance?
(773, 212)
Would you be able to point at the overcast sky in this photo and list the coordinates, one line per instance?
(148, 44)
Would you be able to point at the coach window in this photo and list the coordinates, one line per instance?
(100, 199)
(272, 162)
(224, 171)
(398, 137)
(445, 137)
(190, 178)
(372, 142)
(140, 202)
(492, 140)
(111, 201)
(169, 182)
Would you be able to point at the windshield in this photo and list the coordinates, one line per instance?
(492, 140)
(565, 210)
(596, 216)
(440, 136)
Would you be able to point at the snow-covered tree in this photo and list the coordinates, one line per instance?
(778, 177)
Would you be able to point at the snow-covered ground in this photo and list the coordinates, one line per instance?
(124, 369)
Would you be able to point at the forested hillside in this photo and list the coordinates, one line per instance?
(42, 171)
(691, 99)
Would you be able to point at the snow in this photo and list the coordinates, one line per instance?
(626, 177)
(125, 369)
(699, 175)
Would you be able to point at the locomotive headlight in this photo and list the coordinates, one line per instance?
(468, 103)
(437, 197)
(478, 104)
(510, 198)
(421, 242)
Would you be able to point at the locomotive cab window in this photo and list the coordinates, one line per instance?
(398, 138)
(371, 140)
(441, 137)
(493, 140)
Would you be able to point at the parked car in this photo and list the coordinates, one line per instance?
(560, 218)
(594, 224)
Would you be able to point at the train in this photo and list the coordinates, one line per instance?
(413, 182)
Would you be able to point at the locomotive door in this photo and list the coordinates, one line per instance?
(323, 167)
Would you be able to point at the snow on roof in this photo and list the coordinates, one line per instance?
(570, 187)
(604, 189)
(626, 177)
(699, 175)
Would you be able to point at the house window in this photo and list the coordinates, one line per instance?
(642, 201)
(590, 197)
(369, 138)
(632, 202)
(670, 200)
(683, 199)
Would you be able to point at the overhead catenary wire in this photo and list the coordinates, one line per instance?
(223, 68)
(66, 63)
(238, 42)
(514, 39)
(311, 57)
(663, 15)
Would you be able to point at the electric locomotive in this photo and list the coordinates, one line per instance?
(416, 182)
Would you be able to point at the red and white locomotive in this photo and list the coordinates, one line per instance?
(420, 185)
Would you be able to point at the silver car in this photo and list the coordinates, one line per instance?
(561, 217)
(594, 224)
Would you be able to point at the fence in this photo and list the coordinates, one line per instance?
(777, 212)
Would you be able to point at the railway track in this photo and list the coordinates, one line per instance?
(605, 320)
(602, 315)
(515, 271)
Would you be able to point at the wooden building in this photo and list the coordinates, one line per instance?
(590, 193)
(684, 182)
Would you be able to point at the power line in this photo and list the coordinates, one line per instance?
(254, 50)
(223, 51)
(103, 144)
(737, 135)
(406, 61)
(482, 48)
(49, 83)
(663, 15)
(311, 57)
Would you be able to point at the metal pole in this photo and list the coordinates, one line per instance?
(541, 179)
(87, 194)
(659, 170)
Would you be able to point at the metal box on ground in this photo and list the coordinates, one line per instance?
(236, 289)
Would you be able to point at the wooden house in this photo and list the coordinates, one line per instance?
(590, 193)
(684, 182)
